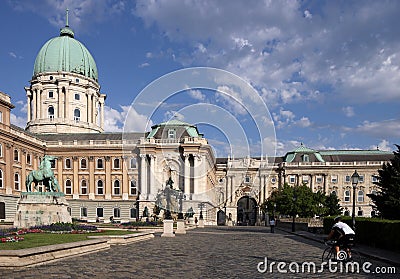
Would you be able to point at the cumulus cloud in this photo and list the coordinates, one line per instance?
(197, 95)
(384, 145)
(348, 111)
(114, 120)
(381, 129)
(18, 120)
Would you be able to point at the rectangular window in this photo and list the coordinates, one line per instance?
(99, 212)
(28, 159)
(318, 179)
(292, 179)
(334, 179)
(51, 95)
(361, 179)
(305, 178)
(347, 179)
(133, 213)
(247, 179)
(83, 212)
(117, 212)
(171, 134)
(374, 178)
(133, 189)
(133, 163)
(1, 117)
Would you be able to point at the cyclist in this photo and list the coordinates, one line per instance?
(343, 234)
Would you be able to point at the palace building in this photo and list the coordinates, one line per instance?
(114, 174)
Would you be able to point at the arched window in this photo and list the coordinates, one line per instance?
(360, 196)
(83, 163)
(67, 163)
(100, 189)
(77, 114)
(16, 155)
(16, 181)
(100, 163)
(1, 178)
(347, 196)
(83, 187)
(133, 188)
(77, 96)
(50, 112)
(1, 150)
(68, 187)
(117, 188)
(333, 193)
(116, 163)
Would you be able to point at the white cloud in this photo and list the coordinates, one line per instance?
(12, 54)
(381, 129)
(171, 114)
(143, 65)
(348, 111)
(126, 119)
(197, 95)
(303, 122)
(384, 145)
(18, 120)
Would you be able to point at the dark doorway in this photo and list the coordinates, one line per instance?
(246, 211)
(221, 218)
(2, 210)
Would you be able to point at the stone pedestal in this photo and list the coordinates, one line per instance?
(180, 226)
(41, 208)
(168, 228)
(201, 223)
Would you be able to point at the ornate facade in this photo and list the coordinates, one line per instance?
(119, 175)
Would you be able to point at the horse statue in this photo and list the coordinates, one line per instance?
(45, 174)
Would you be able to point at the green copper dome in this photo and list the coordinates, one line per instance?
(66, 54)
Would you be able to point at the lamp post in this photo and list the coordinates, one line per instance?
(137, 207)
(354, 181)
(181, 197)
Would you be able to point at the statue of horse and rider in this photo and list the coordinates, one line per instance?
(45, 175)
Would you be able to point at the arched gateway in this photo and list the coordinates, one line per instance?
(246, 211)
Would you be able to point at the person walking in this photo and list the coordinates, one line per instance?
(272, 225)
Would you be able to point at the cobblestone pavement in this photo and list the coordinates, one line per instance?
(228, 252)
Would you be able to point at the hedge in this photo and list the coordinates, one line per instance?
(372, 231)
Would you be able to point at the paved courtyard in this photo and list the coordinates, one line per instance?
(201, 253)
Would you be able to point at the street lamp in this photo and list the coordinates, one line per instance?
(354, 181)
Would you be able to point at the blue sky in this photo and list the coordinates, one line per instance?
(327, 70)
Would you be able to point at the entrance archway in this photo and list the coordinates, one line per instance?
(246, 211)
(221, 218)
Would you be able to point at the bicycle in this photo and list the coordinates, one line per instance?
(329, 253)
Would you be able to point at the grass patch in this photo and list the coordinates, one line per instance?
(32, 240)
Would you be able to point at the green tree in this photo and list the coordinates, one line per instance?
(302, 201)
(387, 199)
(332, 206)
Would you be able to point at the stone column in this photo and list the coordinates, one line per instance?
(28, 103)
(187, 174)
(143, 175)
(76, 183)
(152, 163)
(102, 113)
(33, 108)
(60, 112)
(231, 191)
(196, 173)
(59, 163)
(94, 109)
(89, 108)
(92, 182)
(66, 102)
(125, 178)
(38, 104)
(108, 185)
